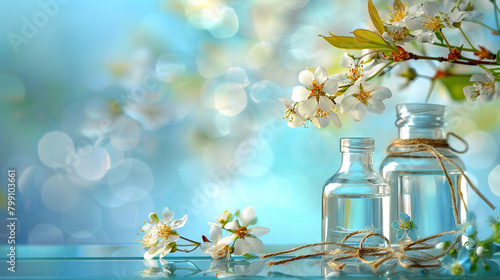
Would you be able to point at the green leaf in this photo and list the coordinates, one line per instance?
(351, 43)
(440, 38)
(375, 17)
(455, 85)
(250, 256)
(373, 38)
(498, 57)
(398, 5)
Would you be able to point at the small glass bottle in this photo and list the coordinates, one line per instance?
(356, 197)
(418, 185)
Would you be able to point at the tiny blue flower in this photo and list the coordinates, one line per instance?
(470, 231)
(405, 226)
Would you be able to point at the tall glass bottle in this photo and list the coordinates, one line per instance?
(356, 197)
(418, 184)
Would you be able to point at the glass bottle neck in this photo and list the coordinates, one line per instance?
(356, 161)
(407, 132)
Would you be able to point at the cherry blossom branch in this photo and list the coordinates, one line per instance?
(194, 242)
(444, 59)
(446, 40)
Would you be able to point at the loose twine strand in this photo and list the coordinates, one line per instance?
(381, 255)
(430, 145)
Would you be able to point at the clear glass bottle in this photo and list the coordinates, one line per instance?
(418, 184)
(356, 197)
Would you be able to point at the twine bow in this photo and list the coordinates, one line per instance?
(377, 255)
(430, 145)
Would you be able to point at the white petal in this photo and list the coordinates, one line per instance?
(228, 239)
(155, 250)
(373, 70)
(352, 90)
(179, 223)
(256, 245)
(165, 251)
(468, 90)
(340, 78)
(258, 231)
(431, 9)
(321, 75)
(205, 246)
(325, 104)
(296, 120)
(320, 122)
(300, 93)
(413, 24)
(331, 87)
(215, 233)
(387, 37)
(306, 77)
(358, 112)
(375, 106)
(232, 225)
(172, 238)
(335, 119)
(346, 61)
(308, 108)
(480, 78)
(246, 216)
(287, 103)
(167, 214)
(381, 93)
(348, 103)
(241, 247)
(474, 16)
(367, 86)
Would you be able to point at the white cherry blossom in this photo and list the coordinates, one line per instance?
(217, 249)
(246, 237)
(433, 19)
(315, 100)
(358, 72)
(160, 235)
(484, 88)
(363, 97)
(294, 119)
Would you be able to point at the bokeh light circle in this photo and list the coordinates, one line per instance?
(54, 149)
(494, 180)
(230, 101)
(294, 4)
(227, 25)
(237, 76)
(45, 234)
(126, 134)
(136, 184)
(59, 193)
(482, 153)
(168, 67)
(93, 164)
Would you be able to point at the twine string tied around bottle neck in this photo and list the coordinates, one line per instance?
(431, 145)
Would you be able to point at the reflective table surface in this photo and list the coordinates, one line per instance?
(119, 262)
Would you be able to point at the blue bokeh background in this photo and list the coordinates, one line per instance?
(113, 109)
